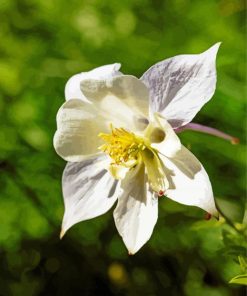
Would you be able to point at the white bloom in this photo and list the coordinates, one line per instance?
(116, 132)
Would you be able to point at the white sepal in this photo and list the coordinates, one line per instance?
(189, 182)
(181, 85)
(89, 191)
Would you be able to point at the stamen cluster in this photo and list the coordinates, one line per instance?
(122, 146)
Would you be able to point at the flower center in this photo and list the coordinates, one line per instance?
(122, 146)
(127, 150)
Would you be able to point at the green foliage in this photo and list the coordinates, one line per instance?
(42, 44)
(239, 279)
(243, 262)
(242, 278)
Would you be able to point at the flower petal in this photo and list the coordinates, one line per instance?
(88, 189)
(181, 85)
(79, 123)
(117, 171)
(78, 126)
(72, 88)
(125, 98)
(162, 136)
(156, 177)
(189, 182)
(137, 210)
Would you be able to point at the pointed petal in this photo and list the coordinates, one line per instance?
(136, 212)
(88, 189)
(125, 98)
(189, 182)
(78, 126)
(72, 88)
(181, 85)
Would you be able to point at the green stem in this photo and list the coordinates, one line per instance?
(228, 221)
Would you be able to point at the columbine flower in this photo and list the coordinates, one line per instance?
(117, 134)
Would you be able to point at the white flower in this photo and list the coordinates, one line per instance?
(116, 132)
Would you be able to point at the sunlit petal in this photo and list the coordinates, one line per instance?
(189, 182)
(72, 87)
(78, 126)
(181, 85)
(89, 190)
(137, 211)
(125, 98)
(155, 172)
(162, 136)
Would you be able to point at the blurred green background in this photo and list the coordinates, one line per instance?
(43, 43)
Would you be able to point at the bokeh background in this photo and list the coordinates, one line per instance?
(43, 43)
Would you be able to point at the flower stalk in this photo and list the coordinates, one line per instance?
(207, 130)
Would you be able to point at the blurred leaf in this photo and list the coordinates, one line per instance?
(231, 209)
(235, 247)
(243, 262)
(239, 279)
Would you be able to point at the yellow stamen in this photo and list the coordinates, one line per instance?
(122, 146)
(127, 150)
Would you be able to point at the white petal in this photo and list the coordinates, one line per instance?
(79, 123)
(88, 189)
(136, 212)
(154, 168)
(124, 98)
(189, 182)
(162, 136)
(181, 85)
(117, 171)
(78, 126)
(72, 88)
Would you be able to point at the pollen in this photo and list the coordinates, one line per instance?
(122, 146)
(127, 150)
